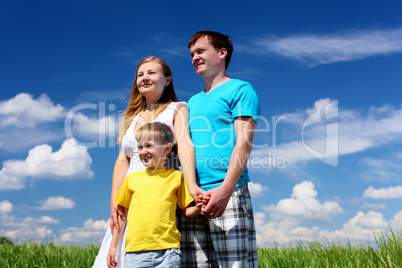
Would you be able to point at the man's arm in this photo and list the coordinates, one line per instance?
(219, 197)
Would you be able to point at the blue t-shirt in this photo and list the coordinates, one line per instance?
(212, 118)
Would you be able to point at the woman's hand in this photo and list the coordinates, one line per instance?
(119, 174)
(111, 258)
(115, 212)
(195, 192)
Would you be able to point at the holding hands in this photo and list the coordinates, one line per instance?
(116, 212)
(202, 200)
(213, 203)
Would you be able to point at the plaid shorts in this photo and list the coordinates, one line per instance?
(226, 241)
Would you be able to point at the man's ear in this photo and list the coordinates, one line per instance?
(168, 148)
(223, 52)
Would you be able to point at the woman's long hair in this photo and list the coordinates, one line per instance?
(137, 102)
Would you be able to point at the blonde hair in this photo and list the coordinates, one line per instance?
(137, 102)
(157, 131)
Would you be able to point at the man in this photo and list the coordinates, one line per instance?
(222, 122)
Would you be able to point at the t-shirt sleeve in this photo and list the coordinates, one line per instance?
(245, 102)
(124, 195)
(184, 197)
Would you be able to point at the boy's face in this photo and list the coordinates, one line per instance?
(206, 60)
(152, 153)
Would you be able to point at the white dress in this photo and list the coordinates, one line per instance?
(129, 146)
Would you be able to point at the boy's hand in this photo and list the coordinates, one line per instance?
(111, 258)
(203, 199)
(195, 192)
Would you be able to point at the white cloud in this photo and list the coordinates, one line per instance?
(23, 111)
(376, 206)
(70, 162)
(104, 126)
(317, 49)
(57, 202)
(11, 182)
(256, 189)
(5, 207)
(360, 228)
(38, 234)
(371, 220)
(285, 222)
(303, 206)
(47, 220)
(396, 222)
(91, 232)
(22, 228)
(383, 193)
(16, 140)
(383, 170)
(356, 132)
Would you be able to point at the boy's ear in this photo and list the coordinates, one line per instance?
(168, 148)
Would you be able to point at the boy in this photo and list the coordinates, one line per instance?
(222, 133)
(151, 197)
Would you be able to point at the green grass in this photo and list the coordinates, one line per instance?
(33, 255)
(387, 252)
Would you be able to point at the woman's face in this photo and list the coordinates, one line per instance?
(151, 80)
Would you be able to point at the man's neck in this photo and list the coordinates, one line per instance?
(211, 83)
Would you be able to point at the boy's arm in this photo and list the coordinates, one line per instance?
(194, 209)
(219, 197)
(117, 234)
(191, 212)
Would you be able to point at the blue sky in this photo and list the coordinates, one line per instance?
(327, 154)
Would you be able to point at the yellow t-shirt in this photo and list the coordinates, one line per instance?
(152, 197)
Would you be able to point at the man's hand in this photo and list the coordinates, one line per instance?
(218, 200)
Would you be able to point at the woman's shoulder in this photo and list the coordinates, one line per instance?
(178, 104)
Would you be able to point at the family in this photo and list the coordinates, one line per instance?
(202, 216)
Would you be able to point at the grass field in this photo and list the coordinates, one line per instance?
(386, 253)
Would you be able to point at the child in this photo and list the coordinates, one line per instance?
(151, 197)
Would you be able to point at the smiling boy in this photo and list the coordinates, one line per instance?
(151, 197)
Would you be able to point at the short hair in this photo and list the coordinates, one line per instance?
(156, 130)
(217, 40)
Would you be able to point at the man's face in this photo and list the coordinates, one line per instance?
(206, 59)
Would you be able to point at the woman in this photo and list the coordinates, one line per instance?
(152, 99)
